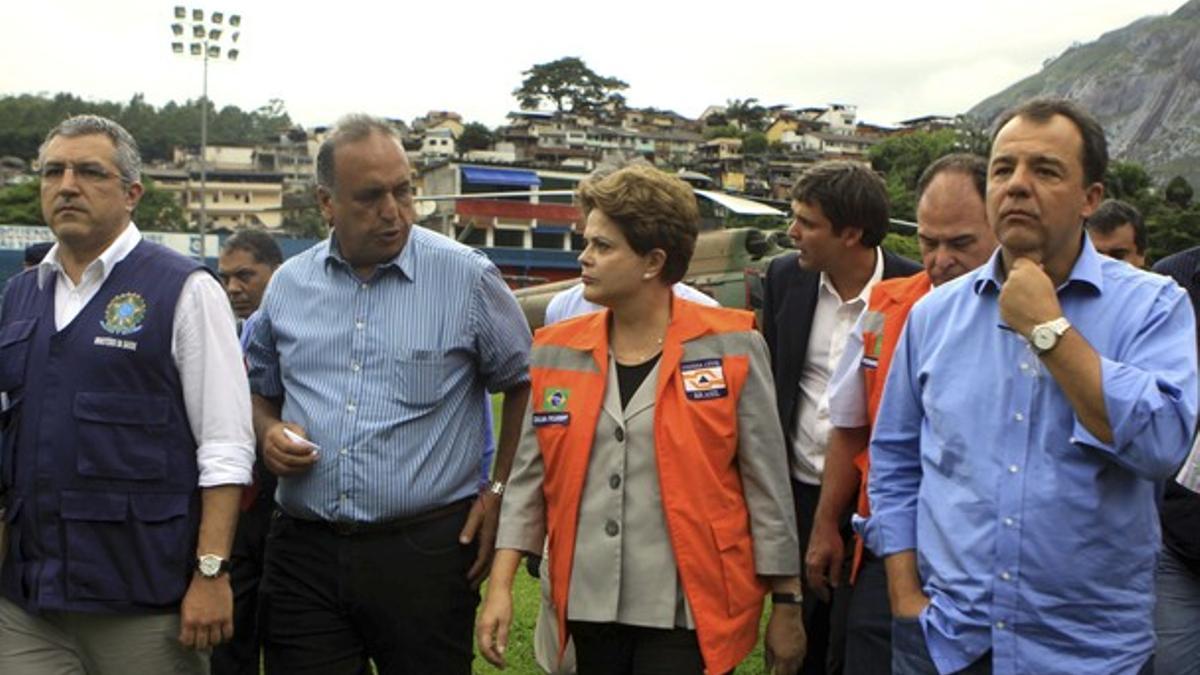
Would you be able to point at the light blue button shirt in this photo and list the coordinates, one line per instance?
(387, 375)
(1034, 539)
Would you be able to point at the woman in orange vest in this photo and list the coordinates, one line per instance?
(652, 459)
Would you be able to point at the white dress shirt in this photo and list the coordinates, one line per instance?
(832, 321)
(205, 347)
(571, 303)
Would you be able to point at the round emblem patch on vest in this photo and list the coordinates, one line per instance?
(124, 314)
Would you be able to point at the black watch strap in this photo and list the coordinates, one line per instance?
(787, 598)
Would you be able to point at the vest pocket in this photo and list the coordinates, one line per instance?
(121, 435)
(743, 591)
(126, 547)
(14, 352)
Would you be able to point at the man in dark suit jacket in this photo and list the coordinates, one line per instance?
(811, 301)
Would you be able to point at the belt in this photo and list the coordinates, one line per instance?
(349, 528)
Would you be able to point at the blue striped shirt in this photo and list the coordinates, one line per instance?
(387, 375)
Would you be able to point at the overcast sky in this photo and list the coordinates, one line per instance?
(894, 60)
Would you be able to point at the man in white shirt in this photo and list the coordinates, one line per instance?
(811, 300)
(126, 432)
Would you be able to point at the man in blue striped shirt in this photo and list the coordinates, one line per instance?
(368, 364)
(1032, 411)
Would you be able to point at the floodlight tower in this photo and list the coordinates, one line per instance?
(206, 42)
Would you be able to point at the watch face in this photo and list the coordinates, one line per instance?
(210, 565)
(1044, 338)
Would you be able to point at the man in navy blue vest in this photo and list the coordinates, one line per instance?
(126, 432)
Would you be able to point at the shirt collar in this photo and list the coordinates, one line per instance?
(117, 251)
(404, 261)
(1087, 270)
(863, 295)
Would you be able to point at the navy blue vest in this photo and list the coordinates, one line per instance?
(99, 462)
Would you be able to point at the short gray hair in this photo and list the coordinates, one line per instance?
(351, 128)
(127, 157)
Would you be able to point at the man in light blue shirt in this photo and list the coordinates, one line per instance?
(373, 350)
(1032, 407)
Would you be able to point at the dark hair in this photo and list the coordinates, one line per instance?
(971, 166)
(351, 128)
(35, 253)
(850, 195)
(1095, 146)
(258, 244)
(1113, 213)
(653, 210)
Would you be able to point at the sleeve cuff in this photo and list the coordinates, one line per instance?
(886, 535)
(526, 537)
(225, 464)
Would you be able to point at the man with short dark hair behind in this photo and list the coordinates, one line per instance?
(811, 300)
(247, 260)
(368, 365)
(955, 238)
(1032, 409)
(126, 432)
(1118, 231)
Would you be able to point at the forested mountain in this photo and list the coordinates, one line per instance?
(1143, 83)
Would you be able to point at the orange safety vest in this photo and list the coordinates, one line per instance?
(893, 299)
(695, 445)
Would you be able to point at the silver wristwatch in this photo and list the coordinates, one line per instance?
(1044, 336)
(211, 566)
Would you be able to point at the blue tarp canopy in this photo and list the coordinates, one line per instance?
(513, 177)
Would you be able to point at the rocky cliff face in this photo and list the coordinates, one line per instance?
(1141, 81)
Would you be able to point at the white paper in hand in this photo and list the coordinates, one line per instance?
(297, 438)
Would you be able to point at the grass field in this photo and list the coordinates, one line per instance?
(527, 597)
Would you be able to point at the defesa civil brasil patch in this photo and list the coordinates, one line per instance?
(703, 379)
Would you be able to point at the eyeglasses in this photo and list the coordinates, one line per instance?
(87, 172)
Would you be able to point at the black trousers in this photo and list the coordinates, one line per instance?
(824, 622)
(240, 656)
(618, 649)
(329, 601)
(869, 621)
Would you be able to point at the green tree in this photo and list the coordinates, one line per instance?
(475, 136)
(21, 204)
(1126, 180)
(159, 210)
(568, 84)
(722, 131)
(903, 244)
(1179, 192)
(754, 143)
(902, 159)
(745, 114)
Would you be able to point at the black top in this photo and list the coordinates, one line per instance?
(629, 378)
(1180, 507)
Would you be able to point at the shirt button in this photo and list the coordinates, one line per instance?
(359, 325)
(343, 451)
(611, 528)
(355, 366)
(362, 287)
(1013, 468)
(350, 407)
(614, 481)
(1009, 522)
(1019, 417)
(1005, 575)
(1024, 366)
(1000, 625)
(619, 434)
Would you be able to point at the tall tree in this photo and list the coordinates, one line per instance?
(1179, 192)
(475, 136)
(745, 114)
(159, 210)
(568, 84)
